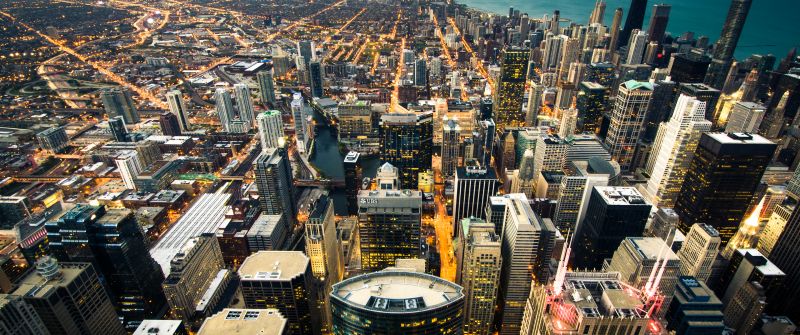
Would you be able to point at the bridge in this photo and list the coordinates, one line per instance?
(324, 183)
(38, 179)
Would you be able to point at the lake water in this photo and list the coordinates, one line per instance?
(771, 26)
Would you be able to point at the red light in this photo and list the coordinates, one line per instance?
(660, 56)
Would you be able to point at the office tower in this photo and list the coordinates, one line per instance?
(660, 109)
(673, 150)
(486, 108)
(688, 67)
(480, 275)
(305, 49)
(627, 119)
(572, 306)
(534, 106)
(774, 229)
(473, 187)
(745, 308)
(695, 309)
(420, 73)
(168, 123)
(356, 122)
(699, 251)
(69, 298)
(406, 142)
(232, 321)
(726, 45)
(270, 129)
(704, 93)
(553, 51)
(129, 167)
(13, 209)
(523, 179)
(612, 214)
(747, 266)
(658, 22)
(786, 256)
(636, 48)
(419, 304)
(275, 184)
(119, 102)
(573, 194)
(324, 252)
(178, 108)
(315, 73)
(598, 12)
(116, 125)
(649, 263)
(616, 23)
(451, 132)
(510, 88)
(484, 142)
(53, 139)
(266, 84)
(721, 180)
(268, 232)
(745, 117)
(634, 20)
(352, 180)
(282, 280)
(114, 243)
(17, 317)
(224, 107)
(192, 273)
(245, 103)
(298, 107)
(389, 227)
(550, 154)
(568, 123)
(528, 243)
(591, 104)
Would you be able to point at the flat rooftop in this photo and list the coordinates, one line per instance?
(244, 321)
(397, 291)
(651, 247)
(274, 265)
(159, 327)
(615, 195)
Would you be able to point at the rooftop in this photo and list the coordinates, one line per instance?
(159, 327)
(615, 195)
(244, 321)
(274, 265)
(652, 247)
(397, 291)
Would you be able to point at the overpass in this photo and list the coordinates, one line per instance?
(324, 183)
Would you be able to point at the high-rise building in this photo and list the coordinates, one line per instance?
(695, 309)
(627, 118)
(305, 49)
(726, 45)
(129, 166)
(245, 321)
(616, 23)
(266, 84)
(324, 252)
(13, 209)
(353, 172)
(661, 107)
(119, 102)
(114, 243)
(244, 102)
(774, 229)
(407, 143)
(420, 73)
(116, 125)
(745, 117)
(268, 232)
(270, 129)
(510, 88)
(704, 93)
(612, 214)
(192, 272)
(745, 308)
(634, 20)
(389, 226)
(721, 181)
(298, 106)
(483, 139)
(480, 275)
(18, 317)
(69, 298)
(673, 150)
(53, 139)
(658, 22)
(747, 266)
(553, 51)
(315, 73)
(786, 255)
(637, 47)
(224, 107)
(550, 154)
(591, 104)
(178, 107)
(528, 243)
(573, 194)
(451, 135)
(474, 185)
(418, 304)
(282, 280)
(649, 263)
(699, 251)
(275, 184)
(168, 123)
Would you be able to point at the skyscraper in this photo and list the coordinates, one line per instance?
(786, 256)
(480, 276)
(19, 318)
(352, 180)
(695, 309)
(616, 23)
(129, 166)
(420, 73)
(315, 73)
(483, 139)
(389, 226)
(419, 304)
(726, 45)
(53, 139)
(636, 48)
(721, 180)
(510, 88)
(116, 125)
(178, 107)
(627, 118)
(573, 196)
(113, 242)
(324, 252)
(119, 102)
(305, 49)
(274, 179)
(591, 104)
(658, 22)
(634, 20)
(406, 143)
(270, 129)
(473, 187)
(192, 273)
(282, 280)
(745, 117)
(748, 267)
(224, 107)
(528, 243)
(699, 251)
(673, 149)
(649, 263)
(451, 134)
(612, 214)
(298, 106)
(266, 85)
(13, 209)
(245, 104)
(245, 321)
(169, 124)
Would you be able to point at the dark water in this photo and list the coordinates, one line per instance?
(327, 158)
(771, 26)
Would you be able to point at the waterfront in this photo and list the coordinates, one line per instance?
(766, 30)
